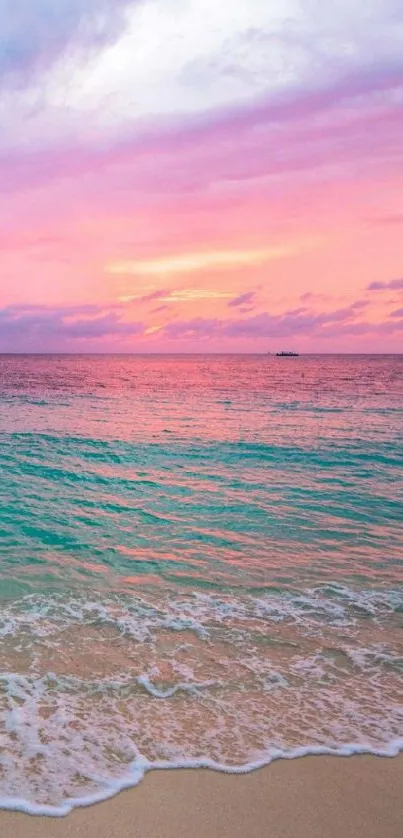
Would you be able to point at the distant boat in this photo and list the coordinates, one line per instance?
(287, 354)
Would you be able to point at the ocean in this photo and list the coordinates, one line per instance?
(201, 564)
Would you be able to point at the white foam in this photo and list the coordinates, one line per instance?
(335, 605)
(257, 679)
(145, 682)
(138, 770)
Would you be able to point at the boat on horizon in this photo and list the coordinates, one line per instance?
(287, 354)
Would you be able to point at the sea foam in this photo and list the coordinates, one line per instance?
(94, 692)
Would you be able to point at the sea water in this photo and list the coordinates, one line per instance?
(200, 564)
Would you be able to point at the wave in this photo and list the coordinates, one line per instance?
(96, 690)
(138, 770)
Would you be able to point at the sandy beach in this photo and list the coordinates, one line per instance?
(315, 797)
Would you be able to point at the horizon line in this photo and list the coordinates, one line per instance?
(185, 354)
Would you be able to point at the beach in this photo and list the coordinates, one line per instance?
(313, 797)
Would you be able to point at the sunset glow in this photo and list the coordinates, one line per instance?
(190, 262)
(188, 176)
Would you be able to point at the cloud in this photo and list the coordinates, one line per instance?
(397, 313)
(242, 299)
(99, 327)
(193, 295)
(194, 57)
(41, 324)
(34, 34)
(181, 295)
(293, 323)
(154, 295)
(347, 120)
(87, 327)
(19, 310)
(302, 131)
(200, 261)
(310, 297)
(159, 309)
(393, 285)
(196, 327)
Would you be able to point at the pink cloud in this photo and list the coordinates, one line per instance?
(392, 285)
(93, 328)
(294, 323)
(242, 299)
(37, 327)
(356, 118)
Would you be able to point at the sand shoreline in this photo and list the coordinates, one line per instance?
(315, 797)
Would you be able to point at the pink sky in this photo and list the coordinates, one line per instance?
(177, 176)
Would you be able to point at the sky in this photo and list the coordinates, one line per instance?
(194, 176)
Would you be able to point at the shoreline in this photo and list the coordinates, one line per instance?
(311, 797)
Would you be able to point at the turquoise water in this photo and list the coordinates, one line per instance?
(200, 564)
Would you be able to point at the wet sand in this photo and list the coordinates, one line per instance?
(313, 797)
